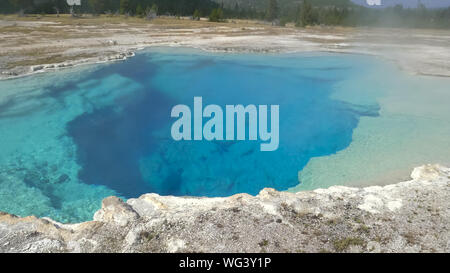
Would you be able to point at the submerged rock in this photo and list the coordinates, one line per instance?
(63, 178)
(411, 216)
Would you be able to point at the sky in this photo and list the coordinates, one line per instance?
(407, 3)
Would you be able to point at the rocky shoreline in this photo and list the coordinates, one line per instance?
(26, 71)
(417, 51)
(412, 216)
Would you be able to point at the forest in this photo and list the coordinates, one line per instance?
(278, 12)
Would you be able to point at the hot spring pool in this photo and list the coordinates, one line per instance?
(70, 138)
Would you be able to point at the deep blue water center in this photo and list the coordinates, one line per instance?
(127, 145)
(73, 137)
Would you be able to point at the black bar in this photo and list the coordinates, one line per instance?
(203, 262)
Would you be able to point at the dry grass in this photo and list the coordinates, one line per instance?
(88, 20)
(36, 61)
(343, 244)
(50, 59)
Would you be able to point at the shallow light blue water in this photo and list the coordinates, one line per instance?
(70, 138)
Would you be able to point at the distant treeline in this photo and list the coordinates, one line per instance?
(396, 16)
(131, 7)
(300, 12)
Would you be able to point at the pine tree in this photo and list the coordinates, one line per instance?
(196, 15)
(124, 6)
(236, 9)
(98, 6)
(272, 10)
(139, 10)
(22, 5)
(154, 9)
(307, 16)
(216, 15)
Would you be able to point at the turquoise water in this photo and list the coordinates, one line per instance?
(70, 138)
